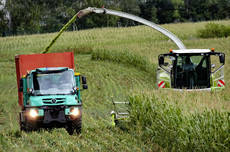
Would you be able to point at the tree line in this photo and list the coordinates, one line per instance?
(19, 17)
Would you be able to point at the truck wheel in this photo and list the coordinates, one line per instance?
(75, 125)
(27, 126)
(69, 129)
(22, 126)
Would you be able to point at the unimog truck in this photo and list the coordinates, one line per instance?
(49, 91)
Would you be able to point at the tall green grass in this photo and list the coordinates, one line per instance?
(213, 30)
(166, 126)
(125, 57)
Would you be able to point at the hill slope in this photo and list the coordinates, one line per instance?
(106, 79)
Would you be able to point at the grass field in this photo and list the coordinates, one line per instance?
(108, 79)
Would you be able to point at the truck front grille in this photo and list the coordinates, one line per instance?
(53, 100)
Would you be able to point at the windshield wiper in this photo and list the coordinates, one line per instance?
(52, 94)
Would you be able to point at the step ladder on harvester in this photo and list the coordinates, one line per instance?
(120, 112)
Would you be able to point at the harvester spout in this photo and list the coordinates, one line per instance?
(164, 31)
(90, 10)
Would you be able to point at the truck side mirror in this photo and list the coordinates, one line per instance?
(222, 58)
(30, 91)
(85, 86)
(84, 80)
(21, 85)
(161, 60)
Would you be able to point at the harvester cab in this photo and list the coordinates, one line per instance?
(200, 69)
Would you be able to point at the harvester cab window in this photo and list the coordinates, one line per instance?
(192, 71)
(188, 65)
(215, 62)
(168, 62)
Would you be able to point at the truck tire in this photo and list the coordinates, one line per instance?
(27, 126)
(73, 126)
(77, 126)
(22, 126)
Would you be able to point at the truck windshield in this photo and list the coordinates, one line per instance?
(53, 83)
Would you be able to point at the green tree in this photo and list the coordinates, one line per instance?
(165, 11)
(3, 20)
(24, 16)
(149, 11)
(178, 5)
(97, 20)
(223, 9)
(131, 7)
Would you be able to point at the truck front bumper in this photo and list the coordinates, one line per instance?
(47, 115)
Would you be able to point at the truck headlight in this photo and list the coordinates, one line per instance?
(33, 113)
(75, 112)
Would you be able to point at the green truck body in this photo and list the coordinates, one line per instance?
(49, 93)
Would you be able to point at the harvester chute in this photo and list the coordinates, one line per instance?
(90, 10)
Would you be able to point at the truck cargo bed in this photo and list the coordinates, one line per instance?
(26, 63)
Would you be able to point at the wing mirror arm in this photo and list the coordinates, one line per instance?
(222, 58)
(161, 60)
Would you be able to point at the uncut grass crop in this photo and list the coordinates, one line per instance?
(166, 126)
(125, 57)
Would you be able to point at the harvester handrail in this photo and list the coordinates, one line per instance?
(221, 67)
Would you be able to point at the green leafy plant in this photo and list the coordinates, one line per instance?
(213, 30)
(166, 126)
